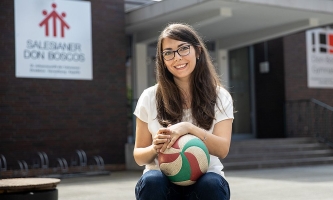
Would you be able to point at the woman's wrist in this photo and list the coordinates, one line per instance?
(192, 130)
(153, 150)
(205, 135)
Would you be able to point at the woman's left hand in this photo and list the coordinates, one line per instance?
(175, 131)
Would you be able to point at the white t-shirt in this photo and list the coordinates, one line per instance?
(146, 111)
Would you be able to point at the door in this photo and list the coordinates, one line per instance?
(240, 89)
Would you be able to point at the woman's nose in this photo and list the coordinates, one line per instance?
(178, 56)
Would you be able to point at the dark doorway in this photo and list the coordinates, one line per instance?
(270, 90)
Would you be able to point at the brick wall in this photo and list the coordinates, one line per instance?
(296, 72)
(302, 119)
(59, 116)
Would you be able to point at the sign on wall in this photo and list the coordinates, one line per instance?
(319, 44)
(53, 39)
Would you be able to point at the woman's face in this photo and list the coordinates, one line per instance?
(180, 66)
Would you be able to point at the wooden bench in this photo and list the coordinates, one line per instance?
(29, 189)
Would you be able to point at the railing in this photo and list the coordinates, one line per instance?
(310, 118)
(3, 164)
(80, 164)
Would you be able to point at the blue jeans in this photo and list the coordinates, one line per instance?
(155, 185)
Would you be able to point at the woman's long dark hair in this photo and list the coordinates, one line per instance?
(203, 81)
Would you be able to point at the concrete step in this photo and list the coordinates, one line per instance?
(277, 163)
(249, 142)
(276, 147)
(278, 155)
(268, 153)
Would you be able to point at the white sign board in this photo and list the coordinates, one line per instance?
(319, 43)
(53, 39)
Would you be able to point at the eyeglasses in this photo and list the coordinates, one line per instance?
(182, 51)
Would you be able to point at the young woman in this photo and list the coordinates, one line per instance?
(187, 99)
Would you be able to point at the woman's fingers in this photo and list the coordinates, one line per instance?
(160, 141)
(164, 131)
(165, 145)
(172, 141)
(158, 147)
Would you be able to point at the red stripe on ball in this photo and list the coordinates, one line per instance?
(176, 145)
(195, 168)
(167, 158)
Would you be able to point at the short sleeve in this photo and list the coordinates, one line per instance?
(142, 106)
(224, 109)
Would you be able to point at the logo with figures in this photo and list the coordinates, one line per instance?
(322, 41)
(52, 18)
(51, 48)
(319, 49)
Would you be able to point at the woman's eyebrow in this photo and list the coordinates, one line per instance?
(178, 46)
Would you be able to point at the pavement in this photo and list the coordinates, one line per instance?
(290, 183)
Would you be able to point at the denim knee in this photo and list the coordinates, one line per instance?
(212, 186)
(152, 185)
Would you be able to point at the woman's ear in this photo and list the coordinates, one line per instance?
(198, 52)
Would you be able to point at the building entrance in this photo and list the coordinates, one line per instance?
(240, 89)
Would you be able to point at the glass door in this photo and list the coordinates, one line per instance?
(240, 89)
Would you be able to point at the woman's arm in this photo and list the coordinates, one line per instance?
(218, 143)
(146, 148)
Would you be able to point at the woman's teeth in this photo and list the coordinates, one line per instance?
(180, 66)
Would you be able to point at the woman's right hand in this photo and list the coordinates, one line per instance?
(159, 140)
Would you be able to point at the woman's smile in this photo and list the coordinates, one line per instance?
(182, 66)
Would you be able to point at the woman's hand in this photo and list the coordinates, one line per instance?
(159, 140)
(174, 131)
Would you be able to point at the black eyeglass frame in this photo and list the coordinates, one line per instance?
(174, 52)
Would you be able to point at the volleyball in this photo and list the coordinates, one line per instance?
(185, 161)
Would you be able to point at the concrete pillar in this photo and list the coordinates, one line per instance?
(141, 69)
(223, 68)
(139, 83)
